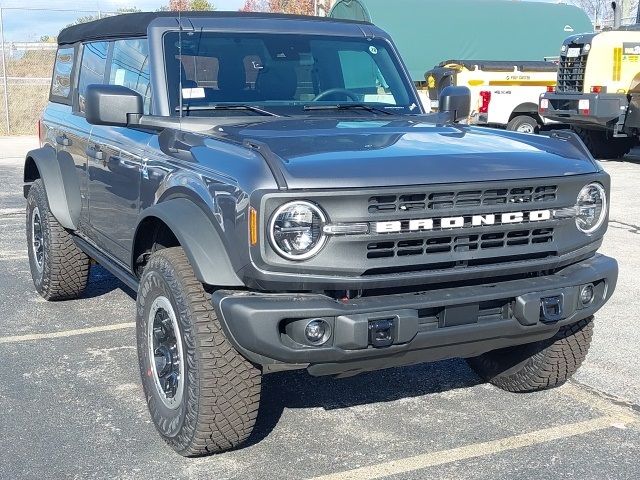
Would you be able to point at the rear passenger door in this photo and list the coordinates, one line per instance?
(117, 155)
(68, 132)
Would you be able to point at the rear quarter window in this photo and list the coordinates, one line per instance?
(62, 76)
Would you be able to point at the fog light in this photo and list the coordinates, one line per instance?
(317, 332)
(586, 295)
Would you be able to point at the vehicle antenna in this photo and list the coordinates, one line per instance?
(180, 60)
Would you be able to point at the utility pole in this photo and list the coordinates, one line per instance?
(618, 9)
(4, 73)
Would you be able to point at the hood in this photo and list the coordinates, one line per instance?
(352, 153)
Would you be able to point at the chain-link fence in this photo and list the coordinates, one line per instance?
(27, 60)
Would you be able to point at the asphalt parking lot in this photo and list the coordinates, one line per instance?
(72, 407)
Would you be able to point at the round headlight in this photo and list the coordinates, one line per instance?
(563, 49)
(591, 208)
(587, 47)
(295, 230)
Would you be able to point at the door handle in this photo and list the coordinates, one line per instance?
(63, 140)
(95, 153)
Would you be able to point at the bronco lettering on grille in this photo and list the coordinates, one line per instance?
(462, 221)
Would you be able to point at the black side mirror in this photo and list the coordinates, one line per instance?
(111, 105)
(456, 101)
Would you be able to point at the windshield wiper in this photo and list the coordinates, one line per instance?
(226, 106)
(347, 106)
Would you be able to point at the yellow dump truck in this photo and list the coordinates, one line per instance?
(598, 90)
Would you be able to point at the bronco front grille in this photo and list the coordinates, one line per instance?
(459, 243)
(571, 72)
(444, 200)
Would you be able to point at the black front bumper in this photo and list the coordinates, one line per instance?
(460, 321)
(605, 109)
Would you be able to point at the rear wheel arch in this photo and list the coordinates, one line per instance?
(526, 108)
(31, 172)
(58, 173)
(181, 222)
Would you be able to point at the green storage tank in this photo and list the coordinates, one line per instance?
(428, 32)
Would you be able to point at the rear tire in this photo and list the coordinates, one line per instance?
(539, 365)
(207, 400)
(603, 147)
(60, 270)
(523, 124)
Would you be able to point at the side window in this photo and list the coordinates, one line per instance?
(130, 68)
(62, 74)
(94, 62)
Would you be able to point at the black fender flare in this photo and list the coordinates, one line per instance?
(58, 173)
(198, 237)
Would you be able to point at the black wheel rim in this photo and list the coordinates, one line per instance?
(37, 238)
(165, 352)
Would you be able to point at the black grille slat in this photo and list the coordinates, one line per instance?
(571, 72)
(458, 244)
(449, 200)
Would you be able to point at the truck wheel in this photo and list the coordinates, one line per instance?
(60, 270)
(603, 147)
(202, 395)
(523, 124)
(539, 365)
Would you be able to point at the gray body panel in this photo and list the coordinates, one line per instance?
(201, 178)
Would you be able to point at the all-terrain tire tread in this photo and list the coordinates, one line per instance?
(228, 385)
(66, 270)
(555, 360)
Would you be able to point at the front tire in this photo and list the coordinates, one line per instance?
(539, 365)
(203, 396)
(60, 270)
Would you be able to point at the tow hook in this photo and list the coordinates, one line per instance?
(381, 333)
(551, 308)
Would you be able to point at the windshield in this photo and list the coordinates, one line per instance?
(282, 74)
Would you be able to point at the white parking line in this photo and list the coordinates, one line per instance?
(66, 333)
(595, 400)
(405, 465)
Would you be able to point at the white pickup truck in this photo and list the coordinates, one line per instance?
(503, 94)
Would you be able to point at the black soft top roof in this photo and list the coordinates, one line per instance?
(135, 24)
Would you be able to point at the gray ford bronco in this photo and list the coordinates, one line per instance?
(272, 189)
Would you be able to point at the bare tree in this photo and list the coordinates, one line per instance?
(184, 5)
(599, 11)
(299, 7)
(632, 12)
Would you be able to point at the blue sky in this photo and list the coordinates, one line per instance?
(46, 17)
